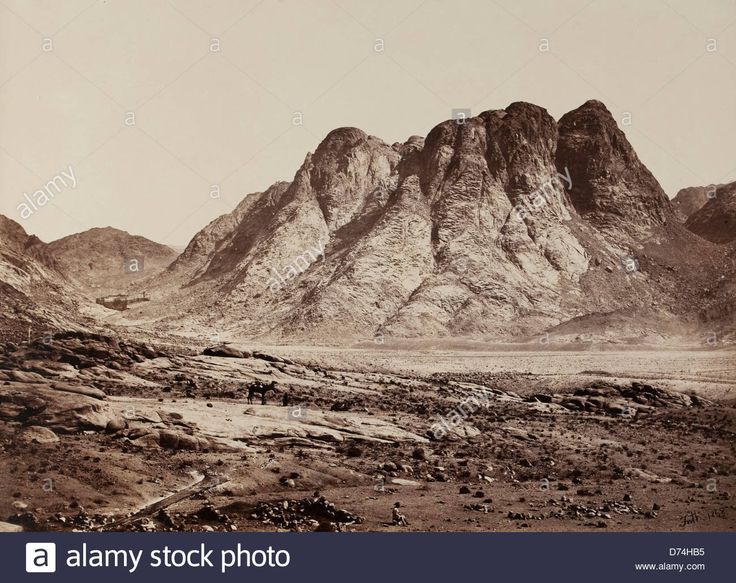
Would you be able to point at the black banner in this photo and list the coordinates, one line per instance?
(357, 557)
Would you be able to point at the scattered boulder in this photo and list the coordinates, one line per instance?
(304, 514)
(40, 435)
(223, 351)
(115, 425)
(179, 440)
(354, 451)
(271, 358)
(344, 405)
(614, 400)
(24, 377)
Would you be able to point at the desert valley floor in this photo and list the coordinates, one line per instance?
(98, 433)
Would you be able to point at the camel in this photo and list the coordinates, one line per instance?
(262, 388)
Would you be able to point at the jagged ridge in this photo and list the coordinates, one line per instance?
(505, 225)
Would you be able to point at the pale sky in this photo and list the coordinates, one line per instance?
(211, 89)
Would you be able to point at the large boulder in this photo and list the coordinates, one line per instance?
(224, 351)
(36, 434)
(80, 390)
(61, 411)
(179, 440)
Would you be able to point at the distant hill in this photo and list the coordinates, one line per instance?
(716, 220)
(108, 260)
(689, 200)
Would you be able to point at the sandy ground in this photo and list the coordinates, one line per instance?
(710, 371)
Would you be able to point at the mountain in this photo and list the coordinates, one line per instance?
(504, 225)
(691, 199)
(34, 297)
(716, 219)
(108, 260)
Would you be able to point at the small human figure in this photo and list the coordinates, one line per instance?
(396, 517)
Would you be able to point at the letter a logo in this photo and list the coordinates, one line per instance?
(40, 558)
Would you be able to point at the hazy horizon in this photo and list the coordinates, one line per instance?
(215, 88)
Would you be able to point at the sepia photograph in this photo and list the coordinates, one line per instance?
(277, 266)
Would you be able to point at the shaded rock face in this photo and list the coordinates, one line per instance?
(716, 219)
(218, 247)
(34, 296)
(690, 200)
(15, 238)
(611, 185)
(345, 170)
(60, 411)
(503, 225)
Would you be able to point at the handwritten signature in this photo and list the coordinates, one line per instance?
(695, 517)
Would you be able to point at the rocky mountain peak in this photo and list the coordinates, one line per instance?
(346, 168)
(11, 233)
(340, 140)
(611, 186)
(521, 146)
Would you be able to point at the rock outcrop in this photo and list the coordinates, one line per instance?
(34, 297)
(716, 219)
(689, 200)
(611, 186)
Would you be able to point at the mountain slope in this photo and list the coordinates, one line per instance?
(34, 298)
